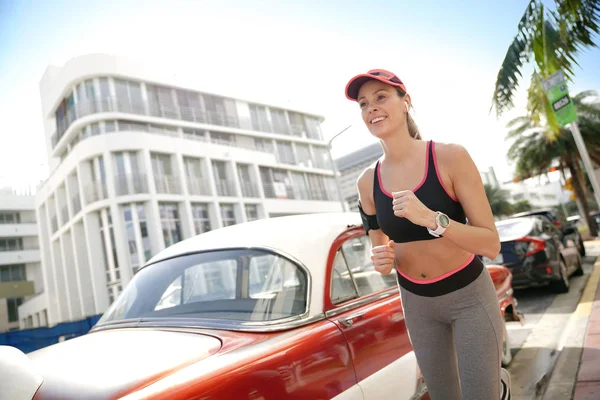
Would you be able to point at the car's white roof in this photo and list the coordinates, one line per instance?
(307, 237)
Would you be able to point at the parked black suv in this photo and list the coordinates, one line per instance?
(568, 232)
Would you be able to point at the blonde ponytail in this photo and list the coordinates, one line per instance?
(413, 129)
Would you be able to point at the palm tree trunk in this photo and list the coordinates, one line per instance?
(580, 193)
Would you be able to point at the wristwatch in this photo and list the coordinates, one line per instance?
(442, 222)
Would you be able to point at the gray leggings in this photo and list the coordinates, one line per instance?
(457, 339)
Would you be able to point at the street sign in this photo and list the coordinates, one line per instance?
(556, 90)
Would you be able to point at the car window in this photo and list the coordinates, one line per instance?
(357, 252)
(243, 285)
(353, 274)
(342, 286)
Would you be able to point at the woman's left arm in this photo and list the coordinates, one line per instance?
(480, 236)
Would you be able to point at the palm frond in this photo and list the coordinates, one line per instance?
(579, 21)
(517, 54)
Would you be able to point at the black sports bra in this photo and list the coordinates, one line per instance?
(432, 194)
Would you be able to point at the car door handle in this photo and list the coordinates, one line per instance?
(350, 320)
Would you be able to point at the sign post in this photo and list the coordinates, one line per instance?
(564, 110)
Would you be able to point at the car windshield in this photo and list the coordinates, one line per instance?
(248, 285)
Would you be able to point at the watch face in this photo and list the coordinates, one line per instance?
(444, 220)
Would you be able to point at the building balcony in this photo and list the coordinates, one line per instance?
(95, 191)
(249, 189)
(198, 187)
(131, 184)
(225, 188)
(113, 104)
(24, 256)
(167, 184)
(18, 230)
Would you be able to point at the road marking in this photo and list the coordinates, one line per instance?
(584, 308)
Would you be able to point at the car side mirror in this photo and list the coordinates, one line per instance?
(20, 380)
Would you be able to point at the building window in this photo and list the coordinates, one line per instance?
(297, 124)
(260, 121)
(227, 214)
(285, 153)
(264, 145)
(189, 106)
(161, 102)
(106, 103)
(13, 308)
(134, 257)
(217, 112)
(129, 96)
(196, 182)
(312, 127)
(86, 98)
(280, 124)
(128, 179)
(171, 225)
(246, 182)
(12, 273)
(276, 183)
(201, 217)
(9, 218)
(303, 155)
(136, 229)
(300, 185)
(109, 248)
(319, 187)
(225, 187)
(321, 157)
(164, 179)
(251, 212)
(11, 244)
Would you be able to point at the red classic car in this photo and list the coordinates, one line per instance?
(281, 308)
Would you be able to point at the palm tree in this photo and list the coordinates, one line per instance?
(498, 200)
(534, 153)
(552, 39)
(520, 206)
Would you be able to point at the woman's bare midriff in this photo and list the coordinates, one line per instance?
(429, 259)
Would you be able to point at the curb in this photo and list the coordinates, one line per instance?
(575, 332)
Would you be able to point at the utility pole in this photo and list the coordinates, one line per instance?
(335, 170)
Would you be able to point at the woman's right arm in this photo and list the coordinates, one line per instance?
(382, 248)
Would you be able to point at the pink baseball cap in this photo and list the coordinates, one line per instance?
(381, 75)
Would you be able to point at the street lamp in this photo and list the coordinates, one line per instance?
(335, 170)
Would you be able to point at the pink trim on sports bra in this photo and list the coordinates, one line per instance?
(439, 278)
(419, 185)
(437, 172)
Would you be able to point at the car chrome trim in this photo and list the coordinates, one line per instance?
(355, 304)
(200, 323)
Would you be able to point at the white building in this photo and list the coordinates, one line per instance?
(540, 191)
(139, 164)
(19, 259)
(351, 166)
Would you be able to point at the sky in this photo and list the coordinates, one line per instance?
(297, 54)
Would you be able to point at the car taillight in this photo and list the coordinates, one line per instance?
(557, 223)
(534, 245)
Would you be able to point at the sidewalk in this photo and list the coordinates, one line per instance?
(587, 384)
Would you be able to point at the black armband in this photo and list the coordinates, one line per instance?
(369, 221)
